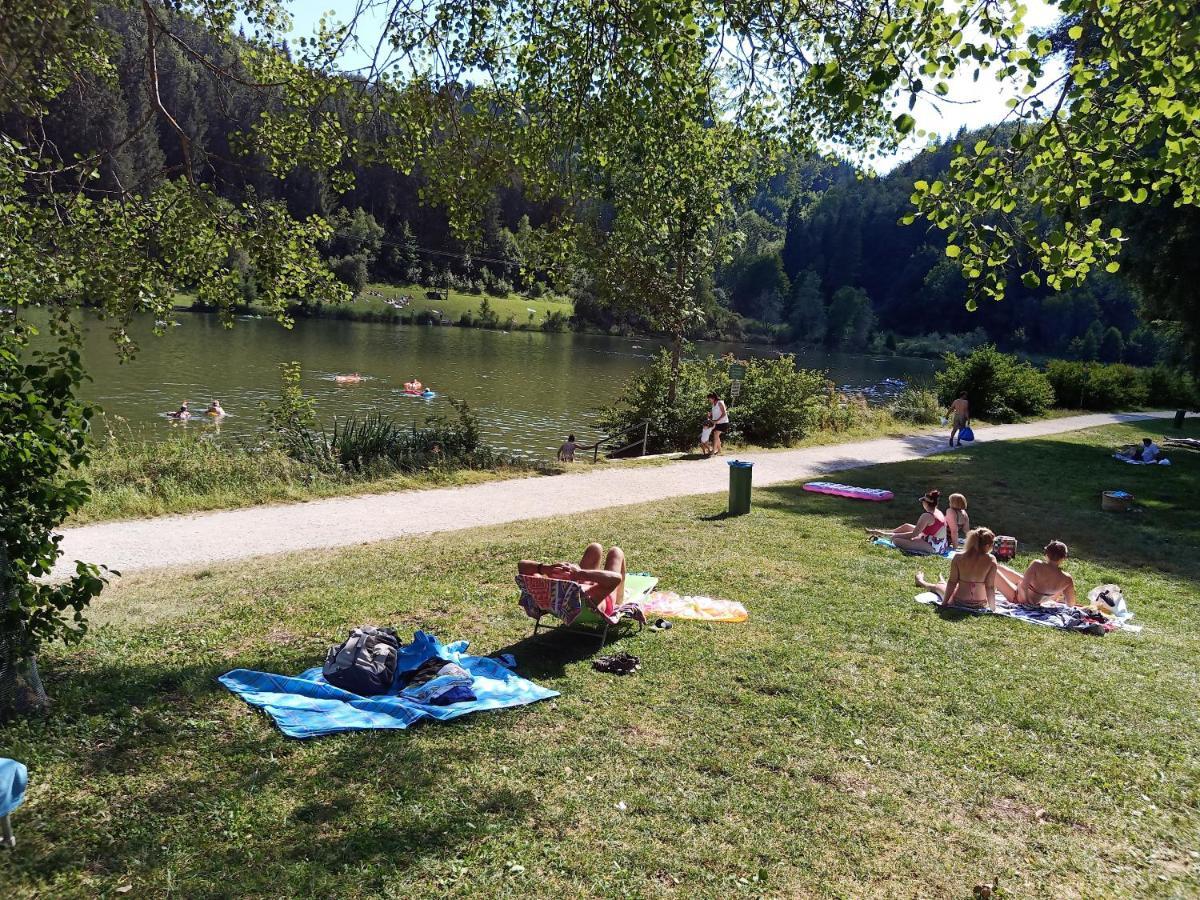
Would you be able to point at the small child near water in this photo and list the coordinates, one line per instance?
(566, 453)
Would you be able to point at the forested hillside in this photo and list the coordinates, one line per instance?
(823, 257)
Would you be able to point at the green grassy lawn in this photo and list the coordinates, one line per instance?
(371, 303)
(844, 742)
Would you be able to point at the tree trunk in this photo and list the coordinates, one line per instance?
(676, 348)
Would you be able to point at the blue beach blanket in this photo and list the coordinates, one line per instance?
(13, 779)
(887, 542)
(305, 705)
(1052, 616)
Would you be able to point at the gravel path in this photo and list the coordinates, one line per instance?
(204, 538)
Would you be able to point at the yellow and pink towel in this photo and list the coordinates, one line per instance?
(672, 606)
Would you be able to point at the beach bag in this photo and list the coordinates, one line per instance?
(966, 434)
(365, 663)
(1004, 548)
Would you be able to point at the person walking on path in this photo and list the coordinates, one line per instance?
(959, 414)
(719, 415)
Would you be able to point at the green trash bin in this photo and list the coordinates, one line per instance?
(739, 486)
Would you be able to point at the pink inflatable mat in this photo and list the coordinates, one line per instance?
(877, 495)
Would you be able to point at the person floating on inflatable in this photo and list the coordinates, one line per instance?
(414, 386)
(348, 379)
(215, 410)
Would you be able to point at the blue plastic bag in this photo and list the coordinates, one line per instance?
(966, 434)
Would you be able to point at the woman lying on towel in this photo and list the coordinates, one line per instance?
(927, 535)
(972, 581)
(597, 583)
(1043, 581)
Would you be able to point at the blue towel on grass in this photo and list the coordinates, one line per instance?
(13, 779)
(887, 542)
(305, 705)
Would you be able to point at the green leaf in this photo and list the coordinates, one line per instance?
(953, 250)
(1075, 32)
(1031, 280)
(904, 123)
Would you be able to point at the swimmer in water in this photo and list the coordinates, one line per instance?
(183, 412)
(214, 409)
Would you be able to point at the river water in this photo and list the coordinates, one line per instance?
(529, 389)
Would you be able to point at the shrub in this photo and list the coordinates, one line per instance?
(917, 405)
(554, 321)
(1171, 388)
(375, 445)
(779, 403)
(44, 429)
(1096, 386)
(999, 386)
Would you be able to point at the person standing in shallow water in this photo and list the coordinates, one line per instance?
(959, 415)
(719, 416)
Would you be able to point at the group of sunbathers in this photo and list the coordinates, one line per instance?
(935, 531)
(975, 575)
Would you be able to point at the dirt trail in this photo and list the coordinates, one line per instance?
(205, 538)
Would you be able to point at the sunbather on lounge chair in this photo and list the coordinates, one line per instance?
(597, 582)
(972, 581)
(1044, 580)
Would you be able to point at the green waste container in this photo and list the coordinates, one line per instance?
(739, 486)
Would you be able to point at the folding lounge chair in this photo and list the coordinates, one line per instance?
(566, 601)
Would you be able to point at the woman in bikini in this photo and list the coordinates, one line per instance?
(926, 536)
(958, 523)
(1043, 581)
(972, 581)
(596, 582)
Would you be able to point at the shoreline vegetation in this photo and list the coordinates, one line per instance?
(293, 460)
(880, 748)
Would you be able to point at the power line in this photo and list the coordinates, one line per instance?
(428, 252)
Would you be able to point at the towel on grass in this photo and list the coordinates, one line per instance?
(1054, 615)
(887, 542)
(1161, 461)
(13, 778)
(673, 606)
(305, 705)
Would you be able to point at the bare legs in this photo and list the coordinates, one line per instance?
(937, 587)
(1008, 583)
(614, 561)
(905, 530)
(716, 441)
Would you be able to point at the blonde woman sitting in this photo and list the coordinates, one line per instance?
(1044, 580)
(972, 581)
(958, 523)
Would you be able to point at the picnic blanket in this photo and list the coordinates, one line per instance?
(1053, 615)
(673, 606)
(305, 705)
(13, 778)
(1161, 461)
(887, 542)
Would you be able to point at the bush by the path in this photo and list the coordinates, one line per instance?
(1087, 385)
(779, 403)
(917, 405)
(1000, 387)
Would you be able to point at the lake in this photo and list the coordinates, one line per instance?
(529, 389)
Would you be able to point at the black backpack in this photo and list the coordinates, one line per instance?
(365, 663)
